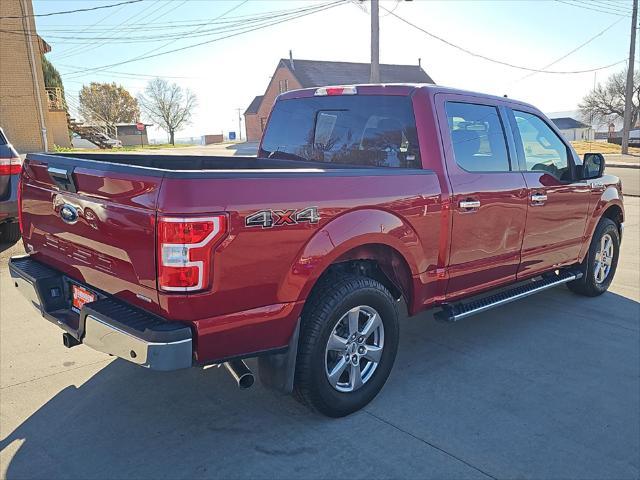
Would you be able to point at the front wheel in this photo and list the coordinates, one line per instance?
(348, 345)
(599, 265)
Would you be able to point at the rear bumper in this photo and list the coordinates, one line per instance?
(107, 324)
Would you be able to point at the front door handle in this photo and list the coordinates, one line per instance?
(538, 198)
(469, 204)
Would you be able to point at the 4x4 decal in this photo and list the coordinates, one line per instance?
(280, 218)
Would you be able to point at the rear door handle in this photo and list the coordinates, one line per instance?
(468, 204)
(538, 198)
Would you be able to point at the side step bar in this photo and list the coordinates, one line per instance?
(457, 311)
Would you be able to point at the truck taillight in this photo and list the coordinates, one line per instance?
(10, 165)
(185, 251)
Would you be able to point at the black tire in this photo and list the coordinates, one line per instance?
(587, 285)
(331, 299)
(9, 233)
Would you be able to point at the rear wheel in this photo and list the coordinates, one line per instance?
(599, 266)
(348, 345)
(9, 232)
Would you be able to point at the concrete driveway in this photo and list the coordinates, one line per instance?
(545, 388)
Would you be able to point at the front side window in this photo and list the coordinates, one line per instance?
(477, 137)
(543, 149)
(358, 130)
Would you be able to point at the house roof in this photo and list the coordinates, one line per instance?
(254, 105)
(318, 73)
(566, 123)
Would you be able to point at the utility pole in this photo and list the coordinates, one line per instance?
(628, 98)
(375, 41)
(239, 123)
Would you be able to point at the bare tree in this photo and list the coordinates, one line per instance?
(168, 105)
(605, 103)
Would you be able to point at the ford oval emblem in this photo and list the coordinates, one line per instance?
(69, 213)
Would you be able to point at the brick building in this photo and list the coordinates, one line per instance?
(292, 74)
(33, 117)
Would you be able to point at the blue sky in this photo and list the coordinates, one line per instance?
(227, 74)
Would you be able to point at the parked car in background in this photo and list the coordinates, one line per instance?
(114, 142)
(359, 196)
(10, 166)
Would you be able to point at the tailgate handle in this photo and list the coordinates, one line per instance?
(63, 178)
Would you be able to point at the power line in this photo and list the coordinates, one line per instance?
(310, 11)
(193, 33)
(108, 15)
(493, 60)
(197, 29)
(613, 6)
(72, 11)
(582, 5)
(98, 44)
(597, 35)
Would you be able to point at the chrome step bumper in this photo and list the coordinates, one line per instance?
(107, 324)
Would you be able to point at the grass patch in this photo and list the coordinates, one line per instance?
(126, 148)
(600, 147)
(159, 146)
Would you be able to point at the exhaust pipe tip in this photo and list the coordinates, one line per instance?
(240, 373)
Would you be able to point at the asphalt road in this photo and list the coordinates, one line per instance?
(545, 388)
(630, 179)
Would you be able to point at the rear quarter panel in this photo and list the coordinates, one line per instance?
(257, 266)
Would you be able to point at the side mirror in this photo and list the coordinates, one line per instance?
(592, 166)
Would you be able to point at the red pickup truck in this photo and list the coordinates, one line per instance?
(360, 196)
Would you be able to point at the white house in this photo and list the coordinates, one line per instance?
(572, 129)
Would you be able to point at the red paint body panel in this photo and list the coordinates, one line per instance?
(112, 244)
(408, 220)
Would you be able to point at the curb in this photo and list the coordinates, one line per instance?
(621, 165)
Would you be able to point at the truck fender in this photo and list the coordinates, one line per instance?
(610, 198)
(347, 232)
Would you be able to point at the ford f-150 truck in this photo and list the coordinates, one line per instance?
(359, 196)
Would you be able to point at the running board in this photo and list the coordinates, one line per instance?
(457, 311)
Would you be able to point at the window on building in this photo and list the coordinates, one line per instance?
(263, 123)
(477, 137)
(283, 86)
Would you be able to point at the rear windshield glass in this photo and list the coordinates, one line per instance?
(370, 131)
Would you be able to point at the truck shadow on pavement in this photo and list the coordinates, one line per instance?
(548, 387)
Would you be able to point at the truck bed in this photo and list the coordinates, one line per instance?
(171, 164)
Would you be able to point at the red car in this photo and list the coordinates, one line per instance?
(359, 196)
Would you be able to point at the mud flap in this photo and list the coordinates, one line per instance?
(277, 371)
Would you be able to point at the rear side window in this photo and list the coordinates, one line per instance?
(477, 136)
(358, 130)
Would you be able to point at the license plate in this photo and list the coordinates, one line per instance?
(80, 296)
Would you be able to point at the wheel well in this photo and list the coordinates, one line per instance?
(614, 212)
(380, 262)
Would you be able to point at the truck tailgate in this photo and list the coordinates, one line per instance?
(93, 222)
